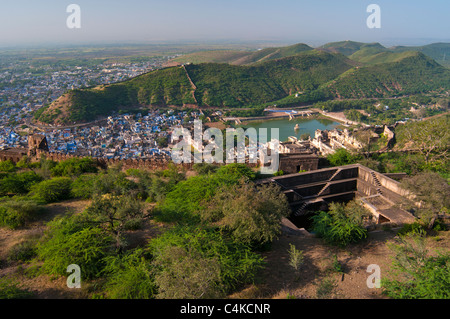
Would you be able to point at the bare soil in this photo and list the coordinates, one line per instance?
(280, 281)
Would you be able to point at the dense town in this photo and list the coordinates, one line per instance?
(121, 136)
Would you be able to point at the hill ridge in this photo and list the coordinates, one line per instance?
(316, 74)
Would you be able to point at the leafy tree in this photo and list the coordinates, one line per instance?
(114, 213)
(251, 214)
(342, 157)
(430, 137)
(431, 202)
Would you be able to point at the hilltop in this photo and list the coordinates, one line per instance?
(239, 57)
(286, 76)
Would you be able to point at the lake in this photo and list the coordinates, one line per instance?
(287, 127)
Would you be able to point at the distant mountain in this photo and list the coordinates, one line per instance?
(304, 76)
(372, 53)
(404, 73)
(237, 57)
(440, 52)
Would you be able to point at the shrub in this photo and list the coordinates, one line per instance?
(340, 226)
(75, 167)
(192, 195)
(129, 276)
(296, 257)
(342, 157)
(415, 228)
(185, 274)
(416, 275)
(20, 183)
(113, 182)
(252, 214)
(236, 171)
(115, 214)
(53, 190)
(7, 166)
(23, 251)
(71, 240)
(11, 290)
(237, 263)
(205, 168)
(17, 213)
(83, 186)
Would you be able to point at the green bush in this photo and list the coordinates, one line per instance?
(237, 263)
(19, 183)
(415, 274)
(75, 167)
(83, 186)
(12, 290)
(71, 240)
(53, 190)
(251, 214)
(113, 182)
(7, 166)
(342, 225)
(17, 213)
(342, 157)
(192, 195)
(23, 251)
(415, 228)
(129, 276)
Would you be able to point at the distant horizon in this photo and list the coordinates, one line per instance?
(29, 23)
(226, 42)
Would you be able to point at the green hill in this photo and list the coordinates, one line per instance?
(408, 73)
(348, 48)
(212, 56)
(314, 74)
(440, 52)
(237, 57)
(370, 56)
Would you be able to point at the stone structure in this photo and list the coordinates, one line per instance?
(294, 163)
(314, 190)
(328, 141)
(13, 154)
(37, 145)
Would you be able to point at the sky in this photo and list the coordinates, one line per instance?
(315, 22)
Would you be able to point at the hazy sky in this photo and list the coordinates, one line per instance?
(314, 22)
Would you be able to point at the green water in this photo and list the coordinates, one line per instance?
(287, 128)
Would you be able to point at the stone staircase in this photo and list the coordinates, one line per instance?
(377, 183)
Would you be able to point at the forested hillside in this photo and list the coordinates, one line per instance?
(306, 77)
